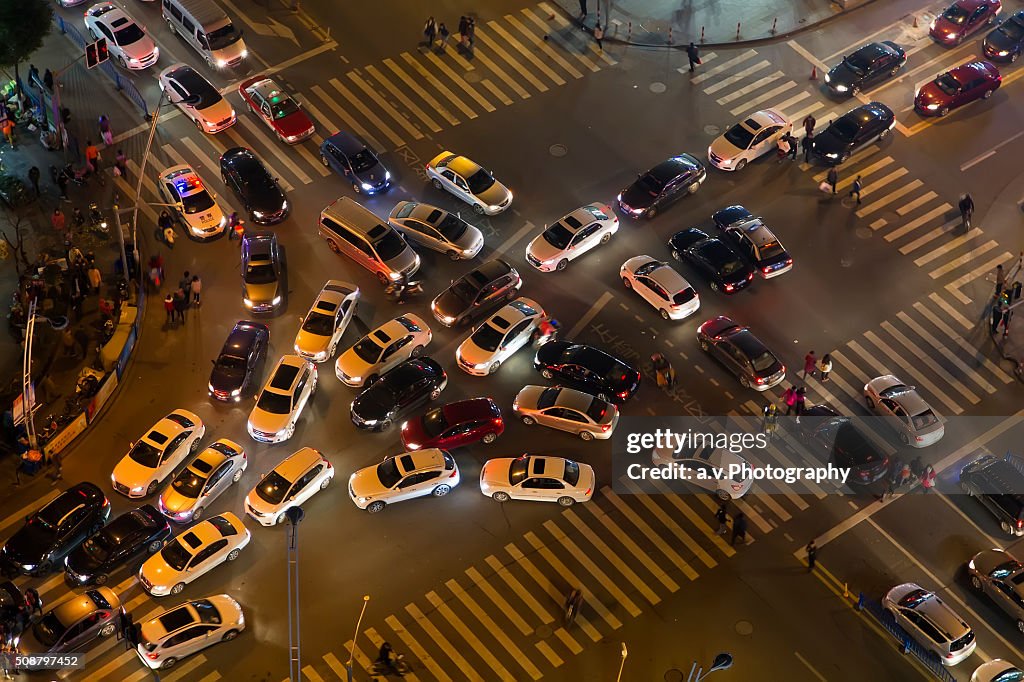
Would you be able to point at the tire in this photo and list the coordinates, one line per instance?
(651, 212)
(356, 188)
(870, 402)
(478, 209)
(494, 367)
(678, 256)
(967, 489)
(546, 373)
(1020, 626)
(198, 124)
(435, 393)
(323, 159)
(500, 496)
(154, 546)
(943, 111)
(454, 255)
(1013, 57)
(894, 71)
(44, 568)
(100, 579)
(741, 165)
(976, 582)
(195, 446)
(168, 663)
(854, 90)
(714, 286)
(152, 488)
(562, 264)
(489, 437)
(177, 590)
(107, 630)
(744, 382)
(326, 482)
(988, 93)
(229, 635)
(904, 439)
(626, 283)
(370, 379)
(602, 396)
(606, 237)
(197, 514)
(237, 476)
(385, 425)
(665, 315)
(884, 134)
(586, 435)
(704, 346)
(566, 501)
(437, 184)
(1006, 528)
(376, 507)
(528, 420)
(417, 351)
(512, 293)
(290, 431)
(441, 490)
(170, 25)
(121, 62)
(333, 246)
(233, 554)
(281, 518)
(382, 278)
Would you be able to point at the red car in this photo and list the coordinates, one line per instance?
(454, 425)
(276, 109)
(963, 18)
(962, 85)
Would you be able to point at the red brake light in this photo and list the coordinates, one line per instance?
(789, 261)
(623, 394)
(453, 473)
(750, 277)
(766, 270)
(588, 491)
(1020, 523)
(760, 380)
(729, 287)
(328, 464)
(496, 421)
(152, 656)
(605, 427)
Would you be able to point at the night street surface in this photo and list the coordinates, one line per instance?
(885, 287)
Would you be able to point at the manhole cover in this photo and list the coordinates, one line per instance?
(544, 631)
(658, 88)
(472, 76)
(744, 628)
(558, 150)
(674, 675)
(712, 130)
(864, 232)
(846, 261)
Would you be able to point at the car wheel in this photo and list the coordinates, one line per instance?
(512, 293)
(894, 71)
(714, 286)
(96, 528)
(194, 446)
(500, 497)
(1013, 57)
(382, 278)
(602, 396)
(586, 435)
(198, 123)
(606, 237)
(870, 402)
(152, 488)
(489, 437)
(417, 351)
(281, 518)
(528, 420)
(229, 635)
(546, 373)
(722, 495)
(100, 579)
(494, 367)
(375, 507)
(107, 630)
(121, 62)
(905, 439)
(385, 425)
(435, 393)
(665, 315)
(988, 93)
(975, 582)
(437, 184)
(170, 25)
(454, 255)
(854, 90)
(1005, 525)
(966, 488)
(197, 514)
(1020, 625)
(943, 111)
(323, 159)
(356, 188)
(441, 490)
(44, 568)
(478, 209)
(290, 431)
(626, 283)
(154, 546)
(884, 134)
(704, 346)
(326, 482)
(651, 212)
(562, 264)
(333, 246)
(370, 379)
(566, 501)
(741, 165)
(233, 554)
(237, 476)
(177, 589)
(744, 382)
(168, 663)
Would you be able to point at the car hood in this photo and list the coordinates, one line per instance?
(268, 422)
(82, 562)
(158, 572)
(495, 194)
(636, 196)
(373, 404)
(294, 124)
(997, 40)
(365, 483)
(374, 175)
(218, 111)
(474, 354)
(311, 343)
(879, 384)
(412, 433)
(542, 249)
(129, 472)
(448, 303)
(261, 292)
(350, 364)
(841, 74)
(944, 26)
(495, 472)
(827, 143)
(140, 48)
(205, 219)
(988, 559)
(930, 93)
(268, 199)
(407, 261)
(30, 644)
(28, 545)
(723, 149)
(173, 501)
(225, 379)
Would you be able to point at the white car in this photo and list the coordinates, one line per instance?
(385, 347)
(155, 456)
(403, 477)
(280, 403)
(470, 182)
(193, 553)
(567, 410)
(536, 477)
(192, 201)
(501, 335)
(197, 98)
(200, 483)
(914, 421)
(187, 628)
(701, 463)
(755, 136)
(929, 620)
(327, 320)
(436, 229)
(127, 42)
(997, 670)
(291, 483)
(572, 236)
(661, 286)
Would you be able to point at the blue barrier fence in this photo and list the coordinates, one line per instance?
(929, 659)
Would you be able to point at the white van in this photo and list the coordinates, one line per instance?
(205, 26)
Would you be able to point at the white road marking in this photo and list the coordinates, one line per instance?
(600, 303)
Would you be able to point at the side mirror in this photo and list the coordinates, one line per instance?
(131, 444)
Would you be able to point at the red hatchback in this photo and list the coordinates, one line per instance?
(962, 85)
(278, 111)
(454, 425)
(963, 18)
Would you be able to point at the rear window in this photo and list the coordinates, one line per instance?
(572, 472)
(597, 410)
(924, 419)
(224, 526)
(684, 296)
(915, 598)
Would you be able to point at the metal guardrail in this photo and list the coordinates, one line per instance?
(929, 659)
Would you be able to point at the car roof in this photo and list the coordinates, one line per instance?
(298, 462)
(756, 231)
(487, 272)
(763, 118)
(546, 467)
(513, 313)
(242, 336)
(124, 525)
(574, 400)
(242, 159)
(745, 341)
(267, 89)
(394, 329)
(185, 179)
(286, 374)
(872, 51)
(969, 70)
(473, 408)
(908, 398)
(427, 459)
(463, 166)
(81, 605)
(109, 13)
(671, 280)
(189, 78)
(672, 167)
(346, 142)
(164, 430)
(60, 506)
(577, 220)
(205, 532)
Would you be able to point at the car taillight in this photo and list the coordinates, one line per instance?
(496, 421)
(329, 466)
(737, 487)
(588, 491)
(453, 473)
(918, 438)
(152, 656)
(750, 276)
(759, 380)
(789, 261)
(729, 287)
(605, 427)
(1020, 523)
(766, 270)
(623, 394)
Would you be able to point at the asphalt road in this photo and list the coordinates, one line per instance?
(470, 589)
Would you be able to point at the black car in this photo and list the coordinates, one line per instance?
(476, 293)
(11, 601)
(53, 531)
(258, 190)
(852, 131)
(662, 185)
(349, 156)
(407, 386)
(590, 369)
(869, 65)
(742, 353)
(715, 260)
(1004, 43)
(838, 440)
(236, 370)
(141, 531)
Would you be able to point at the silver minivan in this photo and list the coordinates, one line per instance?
(205, 26)
(351, 229)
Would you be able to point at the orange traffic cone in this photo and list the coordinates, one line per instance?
(814, 73)
(915, 21)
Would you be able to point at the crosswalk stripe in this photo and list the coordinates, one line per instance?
(110, 667)
(377, 641)
(494, 90)
(401, 97)
(757, 101)
(521, 592)
(460, 81)
(349, 97)
(919, 377)
(455, 55)
(437, 85)
(695, 519)
(768, 499)
(538, 44)
(212, 677)
(759, 83)
(675, 529)
(854, 395)
(18, 517)
(498, 600)
(322, 120)
(137, 676)
(963, 260)
(357, 657)
(850, 162)
(907, 228)
(503, 75)
(873, 187)
(336, 666)
(951, 311)
(176, 158)
(311, 159)
(471, 605)
(920, 201)
(442, 642)
(401, 120)
(545, 584)
(350, 123)
(785, 104)
(556, 38)
(946, 353)
(656, 539)
(604, 550)
(801, 114)
(426, 96)
(954, 286)
(570, 643)
(781, 456)
(972, 351)
(562, 570)
(311, 674)
(128, 190)
(496, 48)
(724, 66)
(417, 649)
(554, 659)
(564, 23)
(935, 234)
(653, 566)
(889, 198)
(863, 173)
(738, 76)
(282, 155)
(930, 362)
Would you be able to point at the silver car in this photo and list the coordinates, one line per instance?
(914, 421)
(567, 410)
(327, 320)
(999, 575)
(928, 620)
(73, 624)
(436, 229)
(207, 476)
(188, 628)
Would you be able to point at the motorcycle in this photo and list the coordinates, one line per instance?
(396, 292)
(97, 223)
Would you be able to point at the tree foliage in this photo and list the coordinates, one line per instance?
(23, 25)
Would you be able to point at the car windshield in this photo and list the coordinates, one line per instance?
(368, 350)
(651, 184)
(947, 83)
(649, 267)
(487, 338)
(145, 454)
(231, 362)
(763, 362)
(319, 324)
(1012, 28)
(260, 273)
(464, 291)
(434, 423)
(856, 63)
(845, 128)
(517, 472)
(49, 630)
(557, 236)
(452, 227)
(129, 34)
(480, 182)
(274, 403)
(389, 246)
(200, 201)
(223, 37)
(388, 474)
(956, 15)
(924, 420)
(572, 472)
(362, 161)
(273, 488)
(285, 107)
(98, 547)
(175, 555)
(189, 484)
(739, 137)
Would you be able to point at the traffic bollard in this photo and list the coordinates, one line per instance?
(629, 32)
(774, 22)
(737, 30)
(702, 34)
(670, 36)
(860, 601)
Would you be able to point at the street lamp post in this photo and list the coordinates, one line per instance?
(294, 516)
(355, 635)
(625, 652)
(721, 662)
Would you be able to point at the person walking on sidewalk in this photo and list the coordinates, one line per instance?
(179, 305)
(599, 36)
(739, 529)
(805, 144)
(121, 164)
(196, 288)
(33, 177)
(92, 157)
(722, 517)
(810, 364)
(95, 278)
(105, 134)
(928, 479)
(812, 555)
(825, 367)
(57, 222)
(429, 32)
(7, 126)
(809, 123)
(169, 308)
(855, 190)
(693, 55)
(789, 398)
(1000, 280)
(832, 178)
(185, 283)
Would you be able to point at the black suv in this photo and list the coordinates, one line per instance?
(838, 440)
(409, 385)
(999, 485)
(590, 369)
(742, 353)
(52, 532)
(476, 293)
(236, 370)
(258, 190)
(715, 260)
(140, 531)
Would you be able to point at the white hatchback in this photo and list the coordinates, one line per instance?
(403, 477)
(155, 456)
(539, 478)
(755, 136)
(187, 628)
(327, 320)
(656, 282)
(197, 98)
(382, 349)
(499, 337)
(194, 553)
(127, 41)
(296, 479)
(572, 236)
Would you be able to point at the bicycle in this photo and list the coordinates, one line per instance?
(395, 665)
(572, 606)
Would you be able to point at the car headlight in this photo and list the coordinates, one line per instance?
(28, 567)
(840, 88)
(494, 207)
(113, 479)
(482, 366)
(277, 299)
(447, 319)
(235, 392)
(970, 564)
(257, 214)
(932, 107)
(364, 500)
(828, 78)
(248, 302)
(1003, 53)
(223, 221)
(355, 379)
(367, 186)
(281, 432)
(636, 211)
(931, 27)
(133, 60)
(284, 205)
(369, 422)
(395, 275)
(221, 63)
(832, 155)
(245, 53)
(387, 175)
(138, 488)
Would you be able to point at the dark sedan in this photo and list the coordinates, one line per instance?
(963, 85)
(867, 66)
(742, 353)
(476, 293)
(409, 385)
(715, 260)
(963, 18)
(236, 370)
(253, 184)
(140, 532)
(590, 369)
(838, 440)
(853, 131)
(52, 532)
(454, 425)
(1004, 43)
(660, 186)
(347, 155)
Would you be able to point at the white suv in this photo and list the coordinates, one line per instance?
(403, 477)
(289, 484)
(282, 399)
(385, 347)
(155, 456)
(187, 628)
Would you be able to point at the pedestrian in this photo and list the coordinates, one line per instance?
(471, 32)
(833, 178)
(92, 156)
(8, 130)
(928, 479)
(179, 305)
(739, 528)
(599, 36)
(904, 476)
(856, 189)
(48, 80)
(810, 364)
(429, 31)
(917, 466)
(825, 366)
(196, 287)
(105, 134)
(769, 420)
(1007, 314)
(121, 164)
(95, 278)
(723, 518)
(442, 31)
(805, 144)
(789, 398)
(68, 341)
(33, 75)
(800, 402)
(812, 555)
(783, 148)
(794, 146)
(583, 9)
(62, 185)
(33, 601)
(169, 308)
(997, 316)
(1000, 279)
(185, 284)
(887, 488)
(33, 177)
(693, 55)
(809, 123)
(57, 221)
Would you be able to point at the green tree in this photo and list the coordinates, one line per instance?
(23, 25)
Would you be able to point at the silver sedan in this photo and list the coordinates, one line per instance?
(436, 229)
(567, 410)
(908, 414)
